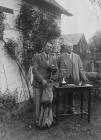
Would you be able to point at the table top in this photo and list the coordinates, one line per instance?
(73, 86)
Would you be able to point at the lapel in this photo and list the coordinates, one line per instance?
(74, 59)
(66, 59)
(43, 56)
(45, 60)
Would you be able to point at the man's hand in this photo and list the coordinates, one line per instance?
(86, 80)
(44, 82)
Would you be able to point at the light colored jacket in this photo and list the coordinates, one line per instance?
(72, 66)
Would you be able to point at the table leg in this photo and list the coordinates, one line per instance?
(89, 106)
(81, 104)
(57, 105)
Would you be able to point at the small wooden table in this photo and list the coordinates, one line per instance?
(81, 90)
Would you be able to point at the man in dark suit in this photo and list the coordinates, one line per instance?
(41, 64)
(71, 69)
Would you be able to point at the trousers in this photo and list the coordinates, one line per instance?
(37, 94)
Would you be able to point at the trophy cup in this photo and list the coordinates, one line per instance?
(52, 70)
(62, 80)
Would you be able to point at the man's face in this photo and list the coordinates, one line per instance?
(48, 48)
(69, 49)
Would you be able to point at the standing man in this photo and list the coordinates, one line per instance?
(71, 69)
(41, 64)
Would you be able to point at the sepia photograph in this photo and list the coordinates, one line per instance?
(50, 69)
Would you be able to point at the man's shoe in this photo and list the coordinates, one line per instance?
(71, 111)
(65, 111)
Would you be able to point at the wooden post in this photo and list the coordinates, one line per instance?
(92, 66)
(7, 10)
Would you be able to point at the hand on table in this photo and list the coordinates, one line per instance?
(44, 83)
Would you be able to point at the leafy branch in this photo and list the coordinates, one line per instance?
(37, 29)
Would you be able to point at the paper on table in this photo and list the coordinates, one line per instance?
(71, 85)
(80, 84)
(87, 85)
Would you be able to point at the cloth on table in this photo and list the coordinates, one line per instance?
(46, 115)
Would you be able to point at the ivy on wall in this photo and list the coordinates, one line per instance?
(1, 24)
(37, 29)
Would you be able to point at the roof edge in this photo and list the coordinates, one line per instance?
(65, 12)
(56, 5)
(7, 10)
(61, 9)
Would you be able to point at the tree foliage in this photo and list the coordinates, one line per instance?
(10, 46)
(37, 29)
(95, 42)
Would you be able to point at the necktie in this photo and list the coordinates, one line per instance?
(70, 67)
(47, 57)
(71, 74)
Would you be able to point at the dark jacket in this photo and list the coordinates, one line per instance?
(41, 68)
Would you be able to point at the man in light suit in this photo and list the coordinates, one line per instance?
(41, 64)
(71, 69)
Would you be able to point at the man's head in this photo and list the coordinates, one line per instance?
(68, 47)
(48, 48)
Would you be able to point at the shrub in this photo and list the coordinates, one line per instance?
(37, 29)
(8, 100)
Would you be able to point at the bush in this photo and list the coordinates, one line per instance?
(8, 100)
(10, 46)
(37, 29)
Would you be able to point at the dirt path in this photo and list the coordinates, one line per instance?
(70, 128)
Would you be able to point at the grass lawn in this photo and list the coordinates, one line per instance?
(69, 128)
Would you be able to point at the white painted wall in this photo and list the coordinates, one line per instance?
(10, 75)
(58, 20)
(10, 31)
(9, 72)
